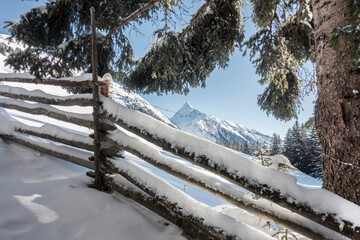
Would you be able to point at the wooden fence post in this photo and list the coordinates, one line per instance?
(97, 144)
(106, 90)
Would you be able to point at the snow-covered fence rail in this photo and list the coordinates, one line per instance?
(16, 98)
(261, 208)
(41, 97)
(317, 214)
(84, 81)
(317, 206)
(82, 147)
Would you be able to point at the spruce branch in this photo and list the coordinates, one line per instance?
(301, 7)
(196, 17)
(132, 17)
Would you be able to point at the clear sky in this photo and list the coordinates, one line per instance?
(230, 94)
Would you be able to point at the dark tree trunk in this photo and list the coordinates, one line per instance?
(338, 104)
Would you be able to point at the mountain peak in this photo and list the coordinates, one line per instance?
(187, 105)
(193, 121)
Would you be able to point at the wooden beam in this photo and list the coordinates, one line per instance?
(251, 206)
(54, 82)
(61, 155)
(96, 106)
(50, 100)
(208, 232)
(51, 137)
(50, 112)
(192, 228)
(325, 219)
(78, 119)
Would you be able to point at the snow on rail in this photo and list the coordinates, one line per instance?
(8, 126)
(188, 205)
(263, 205)
(33, 106)
(84, 80)
(320, 200)
(41, 94)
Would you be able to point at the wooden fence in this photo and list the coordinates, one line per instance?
(115, 124)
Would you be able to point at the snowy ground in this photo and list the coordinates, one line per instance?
(43, 197)
(46, 198)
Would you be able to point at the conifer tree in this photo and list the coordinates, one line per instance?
(276, 146)
(288, 143)
(314, 154)
(174, 62)
(291, 33)
(302, 148)
(245, 148)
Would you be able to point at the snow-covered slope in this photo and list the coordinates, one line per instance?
(211, 128)
(134, 101)
(125, 98)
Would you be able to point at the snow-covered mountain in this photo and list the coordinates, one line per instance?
(134, 101)
(125, 98)
(211, 128)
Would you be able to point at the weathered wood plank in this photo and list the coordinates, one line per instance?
(263, 212)
(61, 155)
(49, 81)
(192, 228)
(50, 100)
(99, 184)
(84, 120)
(50, 112)
(51, 137)
(202, 231)
(325, 219)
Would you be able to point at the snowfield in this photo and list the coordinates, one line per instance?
(46, 198)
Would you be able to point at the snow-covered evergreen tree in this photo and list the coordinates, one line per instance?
(174, 62)
(245, 148)
(302, 148)
(314, 153)
(276, 146)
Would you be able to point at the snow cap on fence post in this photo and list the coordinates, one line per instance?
(106, 90)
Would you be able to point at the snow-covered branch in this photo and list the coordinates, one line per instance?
(132, 17)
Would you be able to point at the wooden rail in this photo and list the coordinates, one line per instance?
(85, 81)
(41, 97)
(111, 146)
(228, 194)
(327, 220)
(65, 154)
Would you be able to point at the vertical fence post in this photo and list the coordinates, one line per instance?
(97, 143)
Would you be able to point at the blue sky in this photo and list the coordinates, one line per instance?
(230, 94)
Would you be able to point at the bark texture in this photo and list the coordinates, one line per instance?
(338, 104)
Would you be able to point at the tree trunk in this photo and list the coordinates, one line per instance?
(338, 104)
